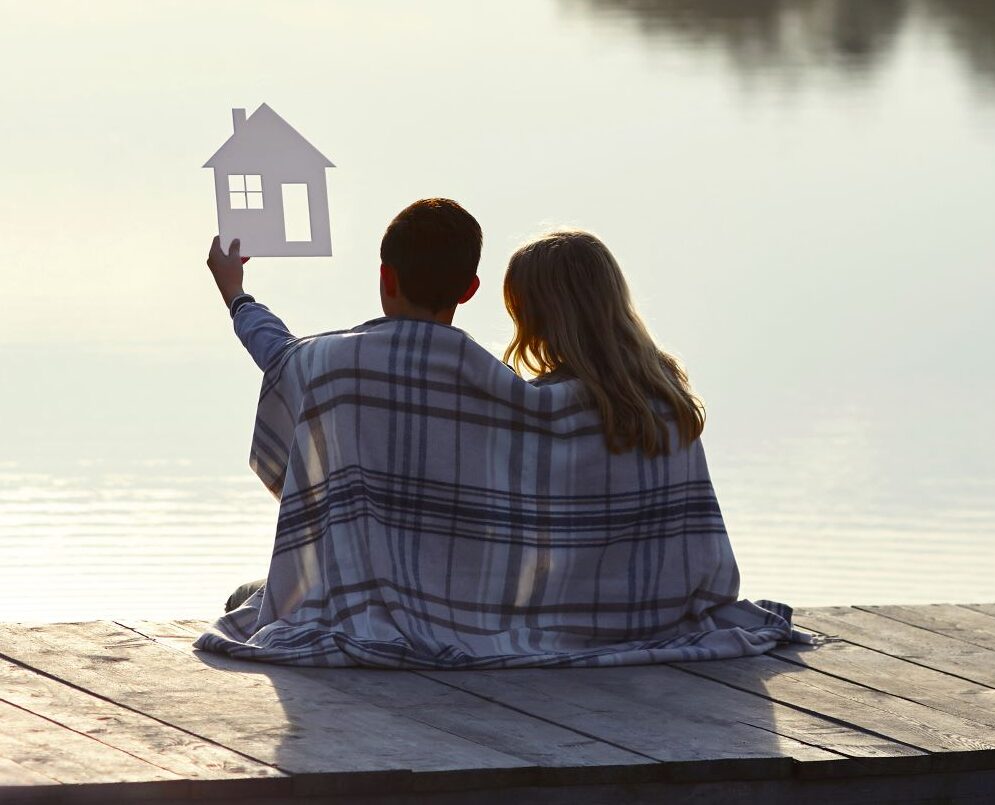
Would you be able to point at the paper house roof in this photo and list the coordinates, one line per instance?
(261, 133)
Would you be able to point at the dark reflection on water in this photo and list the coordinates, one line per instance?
(774, 36)
(971, 27)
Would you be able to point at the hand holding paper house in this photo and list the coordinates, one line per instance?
(270, 188)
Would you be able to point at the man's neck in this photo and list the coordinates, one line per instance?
(402, 311)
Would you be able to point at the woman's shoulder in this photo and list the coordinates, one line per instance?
(560, 375)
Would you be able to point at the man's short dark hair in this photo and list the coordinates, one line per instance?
(434, 246)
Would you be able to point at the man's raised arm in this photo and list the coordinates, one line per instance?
(264, 335)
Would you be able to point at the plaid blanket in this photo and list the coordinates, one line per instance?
(437, 511)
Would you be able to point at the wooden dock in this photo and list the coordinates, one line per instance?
(898, 707)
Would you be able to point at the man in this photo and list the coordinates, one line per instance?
(429, 257)
(437, 511)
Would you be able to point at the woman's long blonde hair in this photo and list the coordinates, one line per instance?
(572, 311)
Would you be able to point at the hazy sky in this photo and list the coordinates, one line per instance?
(800, 231)
(804, 213)
(773, 208)
(778, 223)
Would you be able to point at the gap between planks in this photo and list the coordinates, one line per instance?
(491, 726)
(446, 679)
(276, 717)
(844, 701)
(949, 620)
(102, 719)
(925, 675)
(897, 639)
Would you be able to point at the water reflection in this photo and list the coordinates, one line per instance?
(780, 38)
(970, 25)
(145, 540)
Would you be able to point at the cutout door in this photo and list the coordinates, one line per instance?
(296, 213)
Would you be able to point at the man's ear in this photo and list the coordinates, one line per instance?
(388, 277)
(474, 284)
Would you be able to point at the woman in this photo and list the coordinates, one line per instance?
(574, 319)
(575, 324)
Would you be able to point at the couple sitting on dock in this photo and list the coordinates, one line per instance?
(437, 510)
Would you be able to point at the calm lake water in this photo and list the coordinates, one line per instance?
(801, 194)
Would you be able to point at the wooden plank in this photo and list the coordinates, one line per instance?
(973, 788)
(138, 735)
(898, 719)
(192, 625)
(51, 751)
(897, 677)
(441, 706)
(274, 714)
(672, 716)
(918, 789)
(903, 641)
(949, 620)
(14, 774)
(868, 668)
(984, 609)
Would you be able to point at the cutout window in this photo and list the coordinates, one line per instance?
(245, 191)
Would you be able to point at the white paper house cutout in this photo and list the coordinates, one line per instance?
(270, 189)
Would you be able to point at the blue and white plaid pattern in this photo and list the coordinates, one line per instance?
(436, 511)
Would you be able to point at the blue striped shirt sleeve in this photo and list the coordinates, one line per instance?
(262, 332)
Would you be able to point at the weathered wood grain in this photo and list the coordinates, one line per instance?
(191, 624)
(945, 619)
(425, 701)
(919, 789)
(51, 751)
(273, 714)
(14, 774)
(897, 677)
(903, 641)
(270, 713)
(897, 719)
(901, 709)
(121, 728)
(964, 788)
(984, 609)
(669, 715)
